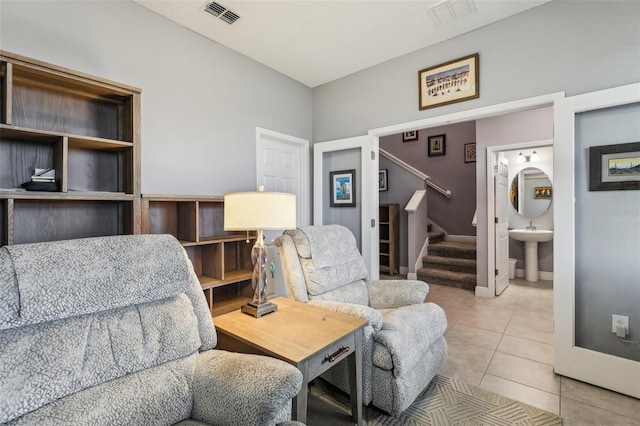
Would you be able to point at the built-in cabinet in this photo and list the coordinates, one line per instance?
(221, 259)
(389, 238)
(84, 127)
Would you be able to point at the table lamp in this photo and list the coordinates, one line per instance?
(259, 211)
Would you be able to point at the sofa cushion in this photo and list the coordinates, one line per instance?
(41, 363)
(63, 279)
(159, 396)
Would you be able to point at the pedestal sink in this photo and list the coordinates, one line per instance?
(531, 238)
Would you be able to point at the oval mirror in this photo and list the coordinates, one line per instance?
(531, 192)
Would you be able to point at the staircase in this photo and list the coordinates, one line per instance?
(449, 263)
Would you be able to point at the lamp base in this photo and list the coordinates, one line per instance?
(259, 310)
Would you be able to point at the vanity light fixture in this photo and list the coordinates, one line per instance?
(527, 158)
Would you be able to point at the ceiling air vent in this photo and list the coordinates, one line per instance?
(221, 12)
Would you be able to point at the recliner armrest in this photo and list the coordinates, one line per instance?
(389, 294)
(233, 388)
(365, 312)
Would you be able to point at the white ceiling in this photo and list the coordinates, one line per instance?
(315, 42)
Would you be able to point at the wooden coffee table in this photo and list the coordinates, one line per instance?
(311, 338)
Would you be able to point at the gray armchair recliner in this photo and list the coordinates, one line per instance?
(116, 331)
(403, 343)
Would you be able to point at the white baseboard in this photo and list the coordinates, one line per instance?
(483, 292)
(460, 238)
(543, 275)
(411, 276)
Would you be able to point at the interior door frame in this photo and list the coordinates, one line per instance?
(468, 115)
(608, 371)
(369, 195)
(492, 152)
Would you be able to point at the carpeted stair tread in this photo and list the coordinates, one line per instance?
(447, 278)
(454, 249)
(454, 264)
(436, 236)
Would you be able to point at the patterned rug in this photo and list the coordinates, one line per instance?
(444, 402)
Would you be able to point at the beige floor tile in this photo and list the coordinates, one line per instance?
(541, 320)
(491, 311)
(504, 301)
(599, 397)
(575, 413)
(525, 371)
(484, 321)
(471, 356)
(475, 336)
(523, 348)
(461, 372)
(453, 315)
(535, 397)
(529, 332)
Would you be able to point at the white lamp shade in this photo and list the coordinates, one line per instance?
(252, 211)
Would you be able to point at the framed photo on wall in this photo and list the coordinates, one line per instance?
(614, 167)
(382, 180)
(343, 188)
(453, 81)
(411, 135)
(436, 145)
(470, 152)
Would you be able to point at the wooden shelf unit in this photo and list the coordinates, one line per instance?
(88, 130)
(389, 238)
(222, 260)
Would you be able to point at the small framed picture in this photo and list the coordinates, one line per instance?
(614, 167)
(542, 193)
(343, 188)
(470, 152)
(382, 180)
(436, 145)
(411, 135)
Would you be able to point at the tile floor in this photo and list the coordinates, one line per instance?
(505, 345)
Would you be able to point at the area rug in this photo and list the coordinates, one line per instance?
(445, 401)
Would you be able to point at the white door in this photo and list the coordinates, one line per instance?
(571, 359)
(501, 188)
(282, 165)
(339, 154)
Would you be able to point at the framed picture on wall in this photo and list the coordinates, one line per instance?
(614, 167)
(382, 180)
(411, 135)
(453, 81)
(436, 145)
(470, 152)
(343, 188)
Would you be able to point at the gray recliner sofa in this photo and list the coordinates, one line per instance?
(116, 331)
(403, 342)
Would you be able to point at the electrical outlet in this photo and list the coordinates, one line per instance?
(619, 321)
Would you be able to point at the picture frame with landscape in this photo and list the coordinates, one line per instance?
(614, 167)
(450, 82)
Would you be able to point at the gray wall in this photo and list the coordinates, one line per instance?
(348, 159)
(449, 171)
(572, 46)
(201, 102)
(607, 227)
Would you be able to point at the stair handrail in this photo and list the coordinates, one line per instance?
(441, 190)
(416, 210)
(408, 167)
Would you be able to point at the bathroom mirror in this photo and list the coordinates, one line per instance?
(531, 192)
